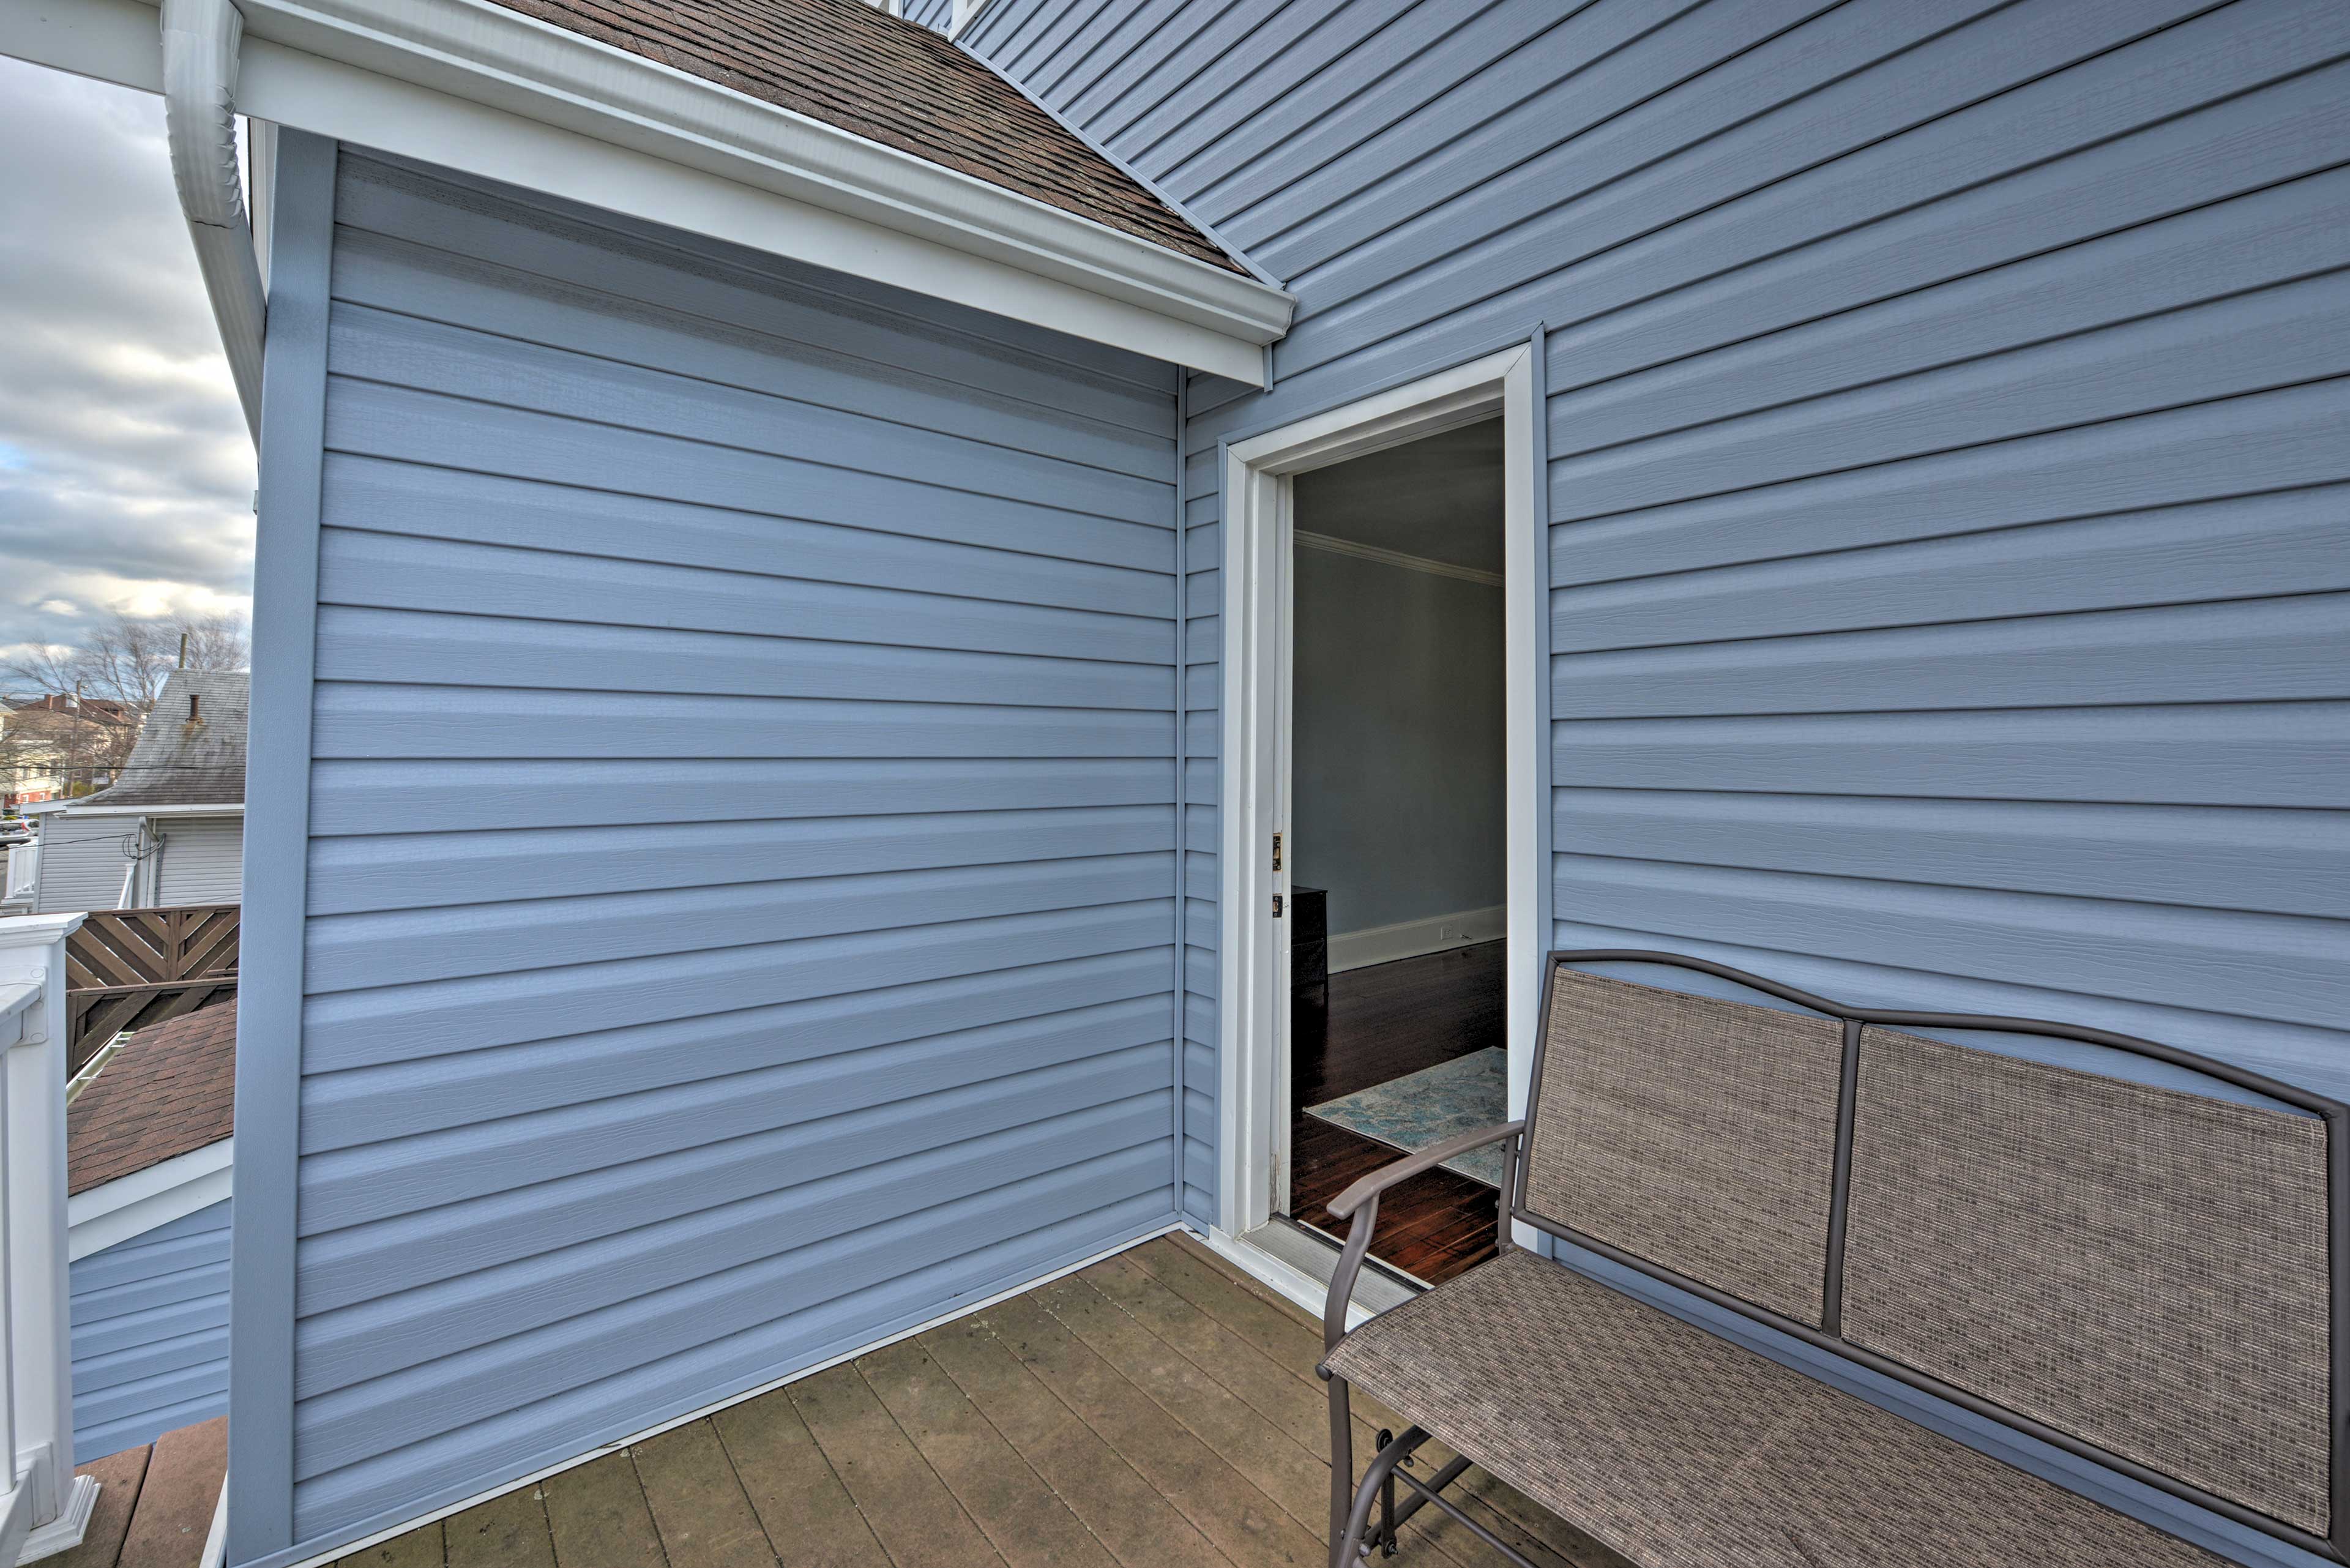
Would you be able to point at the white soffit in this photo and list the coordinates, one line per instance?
(471, 86)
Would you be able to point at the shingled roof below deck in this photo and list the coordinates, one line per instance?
(170, 1091)
(887, 81)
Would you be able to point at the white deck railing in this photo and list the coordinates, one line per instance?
(44, 1507)
(23, 871)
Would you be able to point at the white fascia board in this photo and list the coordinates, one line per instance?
(109, 1214)
(230, 808)
(471, 86)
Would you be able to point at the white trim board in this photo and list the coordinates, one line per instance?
(471, 86)
(64, 1532)
(235, 808)
(1417, 938)
(107, 1215)
(1333, 545)
(353, 1548)
(1253, 962)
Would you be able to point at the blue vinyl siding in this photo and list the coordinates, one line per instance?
(935, 15)
(741, 811)
(150, 1334)
(1948, 445)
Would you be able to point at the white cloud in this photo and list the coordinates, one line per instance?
(126, 475)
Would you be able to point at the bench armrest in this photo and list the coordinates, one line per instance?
(1411, 1165)
(1361, 1201)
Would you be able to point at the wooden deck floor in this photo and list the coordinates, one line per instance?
(154, 1504)
(1156, 1409)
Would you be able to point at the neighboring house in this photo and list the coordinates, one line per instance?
(770, 598)
(171, 831)
(150, 1148)
(48, 744)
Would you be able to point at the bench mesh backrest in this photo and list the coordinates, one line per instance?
(1694, 1133)
(2141, 1268)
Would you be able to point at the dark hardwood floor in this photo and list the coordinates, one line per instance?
(1371, 1025)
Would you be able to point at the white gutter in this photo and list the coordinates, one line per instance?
(200, 43)
(225, 808)
(471, 86)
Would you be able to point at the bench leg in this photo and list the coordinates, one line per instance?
(1342, 1458)
(1346, 1544)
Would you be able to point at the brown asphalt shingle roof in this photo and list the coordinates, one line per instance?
(887, 81)
(170, 1090)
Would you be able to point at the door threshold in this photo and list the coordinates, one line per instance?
(1298, 1260)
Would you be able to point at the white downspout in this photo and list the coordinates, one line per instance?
(200, 39)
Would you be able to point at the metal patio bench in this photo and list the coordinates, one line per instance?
(2144, 1276)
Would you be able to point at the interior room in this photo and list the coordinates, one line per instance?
(1397, 872)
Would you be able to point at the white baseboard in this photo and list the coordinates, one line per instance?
(64, 1532)
(1414, 939)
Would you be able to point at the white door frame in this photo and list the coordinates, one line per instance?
(1252, 1012)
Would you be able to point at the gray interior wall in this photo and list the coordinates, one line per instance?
(82, 863)
(150, 1334)
(201, 860)
(1947, 457)
(1397, 744)
(737, 916)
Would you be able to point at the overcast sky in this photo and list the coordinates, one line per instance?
(126, 476)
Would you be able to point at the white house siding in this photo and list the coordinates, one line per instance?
(201, 860)
(741, 811)
(1947, 433)
(82, 864)
(150, 1334)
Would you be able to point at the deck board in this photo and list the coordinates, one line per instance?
(118, 1477)
(177, 1499)
(1157, 1407)
(507, 1532)
(792, 1485)
(920, 1522)
(1218, 1497)
(1028, 1523)
(697, 1500)
(1122, 1509)
(598, 1517)
(422, 1548)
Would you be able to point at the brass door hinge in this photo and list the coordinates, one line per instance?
(1276, 906)
(1276, 852)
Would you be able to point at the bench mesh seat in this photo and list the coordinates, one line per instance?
(1677, 1447)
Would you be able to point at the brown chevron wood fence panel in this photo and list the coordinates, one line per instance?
(128, 968)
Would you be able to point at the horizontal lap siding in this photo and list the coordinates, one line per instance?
(1949, 438)
(82, 863)
(743, 831)
(203, 860)
(150, 1334)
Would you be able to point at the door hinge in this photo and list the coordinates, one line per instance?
(1276, 852)
(1276, 906)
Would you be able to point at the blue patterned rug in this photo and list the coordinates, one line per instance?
(1427, 1106)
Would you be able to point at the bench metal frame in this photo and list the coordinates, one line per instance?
(1352, 1532)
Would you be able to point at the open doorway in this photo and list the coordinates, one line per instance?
(1282, 1057)
(1397, 913)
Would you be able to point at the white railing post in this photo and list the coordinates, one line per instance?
(24, 869)
(47, 1502)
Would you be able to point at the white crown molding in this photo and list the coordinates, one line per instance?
(1336, 546)
(474, 86)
